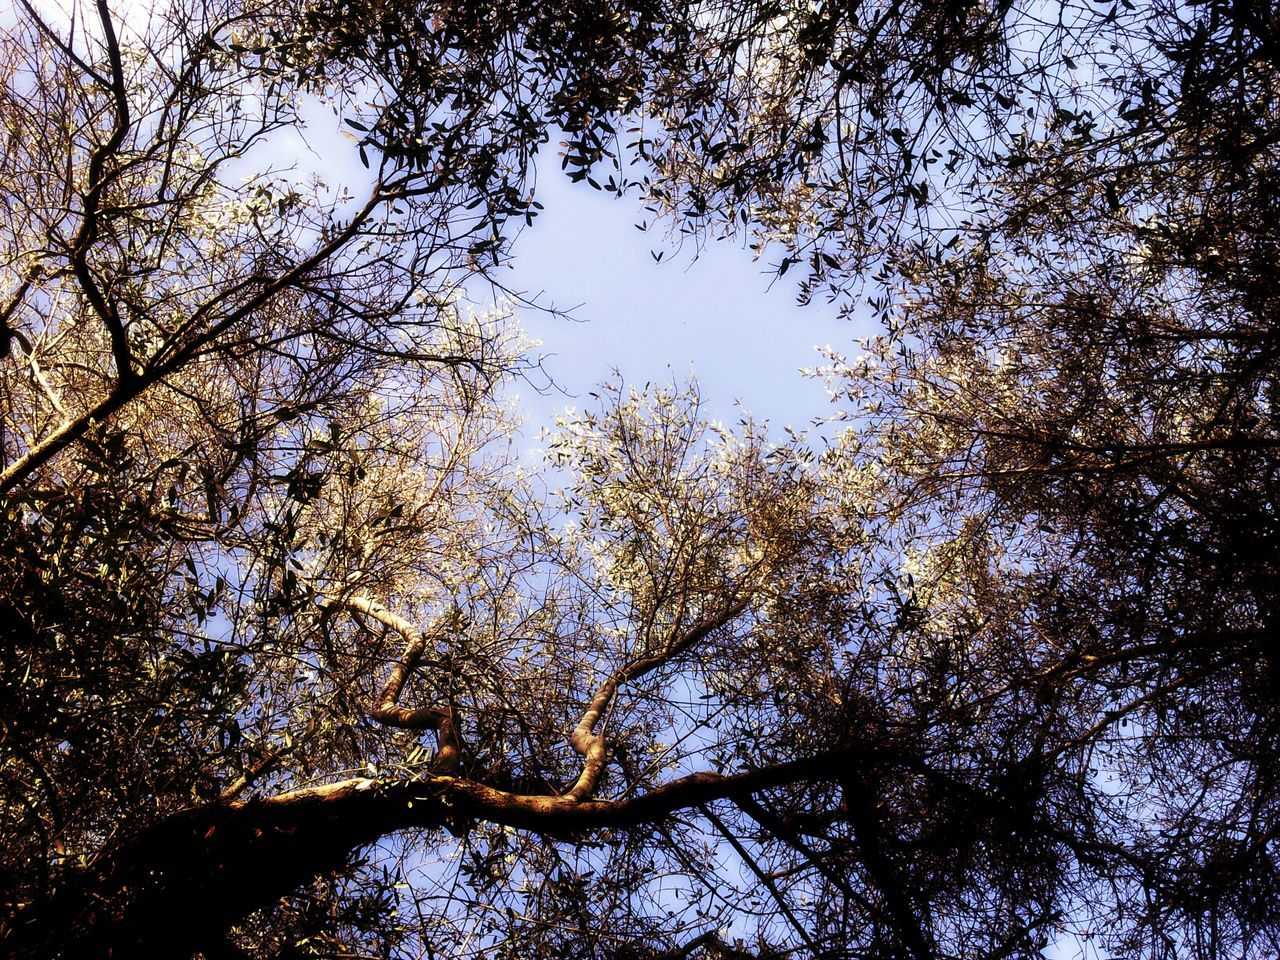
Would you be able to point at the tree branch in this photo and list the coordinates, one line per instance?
(231, 858)
(62, 45)
(589, 744)
(775, 826)
(387, 708)
(763, 877)
(158, 369)
(99, 177)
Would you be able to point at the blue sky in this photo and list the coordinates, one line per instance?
(713, 317)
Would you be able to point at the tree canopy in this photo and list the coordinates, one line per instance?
(301, 658)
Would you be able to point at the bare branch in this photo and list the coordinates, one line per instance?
(762, 876)
(52, 36)
(99, 178)
(387, 709)
(591, 745)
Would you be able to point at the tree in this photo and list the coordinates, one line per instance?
(995, 666)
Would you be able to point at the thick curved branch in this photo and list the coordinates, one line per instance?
(434, 801)
(387, 709)
(590, 744)
(232, 858)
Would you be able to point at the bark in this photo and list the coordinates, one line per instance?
(588, 741)
(182, 883)
(440, 717)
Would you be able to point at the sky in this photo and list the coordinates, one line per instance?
(713, 317)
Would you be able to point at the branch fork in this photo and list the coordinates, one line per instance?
(587, 741)
(387, 709)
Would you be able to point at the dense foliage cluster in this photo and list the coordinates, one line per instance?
(299, 658)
